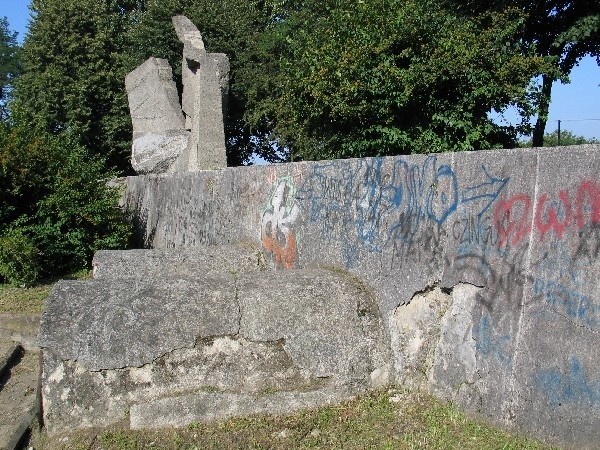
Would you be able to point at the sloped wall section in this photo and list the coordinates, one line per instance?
(498, 249)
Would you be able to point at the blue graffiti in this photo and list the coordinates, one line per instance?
(491, 344)
(570, 387)
(487, 191)
(378, 202)
(567, 301)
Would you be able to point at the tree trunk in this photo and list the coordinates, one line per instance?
(540, 125)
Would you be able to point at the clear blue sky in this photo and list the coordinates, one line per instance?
(571, 103)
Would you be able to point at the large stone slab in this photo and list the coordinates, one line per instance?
(205, 78)
(159, 135)
(308, 338)
(128, 323)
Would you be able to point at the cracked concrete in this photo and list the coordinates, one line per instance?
(302, 333)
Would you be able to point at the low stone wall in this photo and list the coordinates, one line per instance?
(484, 264)
(152, 349)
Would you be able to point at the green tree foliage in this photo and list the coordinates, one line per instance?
(10, 66)
(74, 74)
(392, 76)
(562, 31)
(55, 207)
(566, 138)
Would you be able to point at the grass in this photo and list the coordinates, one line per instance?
(381, 420)
(18, 300)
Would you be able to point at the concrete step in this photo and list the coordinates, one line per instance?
(19, 395)
(191, 262)
(22, 329)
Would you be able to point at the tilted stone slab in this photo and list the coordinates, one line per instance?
(188, 34)
(314, 336)
(159, 135)
(151, 263)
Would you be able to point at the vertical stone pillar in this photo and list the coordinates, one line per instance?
(205, 79)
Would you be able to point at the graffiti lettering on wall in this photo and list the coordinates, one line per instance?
(386, 205)
(277, 226)
(503, 279)
(567, 301)
(513, 216)
(574, 386)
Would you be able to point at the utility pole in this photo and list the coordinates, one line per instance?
(559, 133)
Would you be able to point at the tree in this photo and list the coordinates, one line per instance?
(74, 74)
(56, 209)
(391, 76)
(561, 31)
(566, 138)
(10, 66)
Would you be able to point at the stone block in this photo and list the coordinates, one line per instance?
(205, 78)
(159, 135)
(123, 323)
(148, 264)
(270, 343)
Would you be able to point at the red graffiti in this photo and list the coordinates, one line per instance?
(547, 219)
(284, 253)
(588, 204)
(513, 221)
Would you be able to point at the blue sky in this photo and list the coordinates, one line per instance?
(572, 103)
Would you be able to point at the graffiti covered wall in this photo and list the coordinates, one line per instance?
(519, 228)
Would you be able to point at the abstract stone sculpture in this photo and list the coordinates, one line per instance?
(168, 137)
(159, 135)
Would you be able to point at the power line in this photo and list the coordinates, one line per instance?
(569, 120)
(573, 120)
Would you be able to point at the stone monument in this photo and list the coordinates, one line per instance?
(169, 137)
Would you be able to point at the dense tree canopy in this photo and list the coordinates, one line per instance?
(10, 66)
(74, 68)
(562, 31)
(392, 76)
(566, 138)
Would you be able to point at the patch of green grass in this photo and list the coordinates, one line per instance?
(380, 420)
(20, 300)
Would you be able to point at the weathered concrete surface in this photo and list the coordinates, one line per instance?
(159, 135)
(109, 345)
(416, 330)
(123, 323)
(207, 407)
(511, 235)
(149, 263)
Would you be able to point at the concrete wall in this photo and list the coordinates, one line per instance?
(484, 264)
